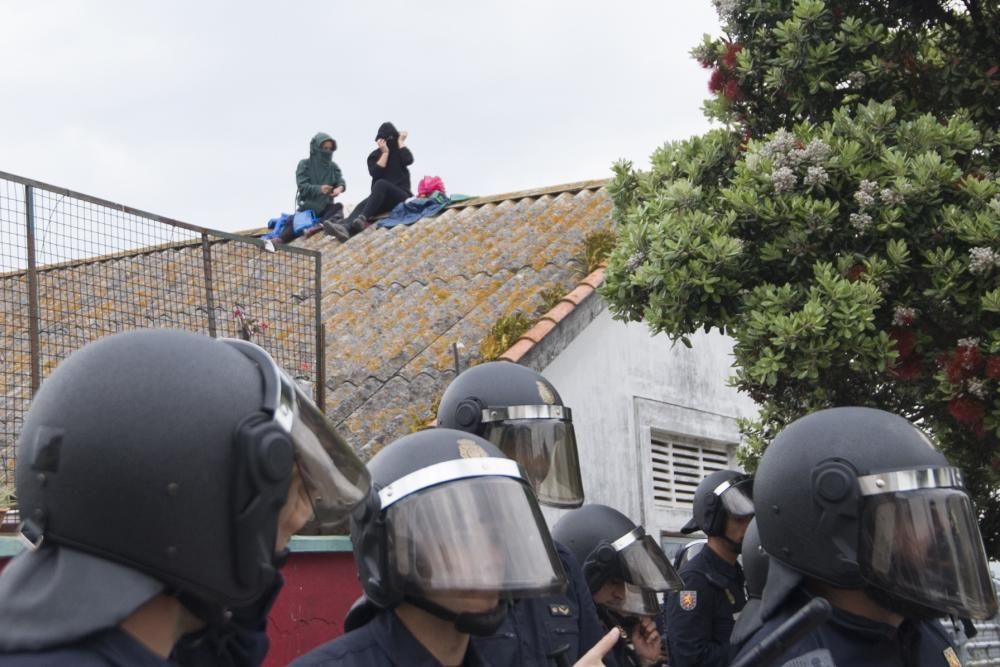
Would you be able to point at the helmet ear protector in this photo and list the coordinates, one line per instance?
(264, 459)
(469, 414)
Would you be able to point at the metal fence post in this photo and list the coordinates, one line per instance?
(206, 256)
(33, 314)
(320, 339)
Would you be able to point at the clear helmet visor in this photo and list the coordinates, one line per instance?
(644, 564)
(546, 450)
(738, 498)
(470, 537)
(334, 476)
(924, 546)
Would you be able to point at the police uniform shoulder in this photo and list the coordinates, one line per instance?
(936, 630)
(700, 570)
(357, 647)
(809, 646)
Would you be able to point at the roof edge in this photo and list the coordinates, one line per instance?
(578, 186)
(533, 337)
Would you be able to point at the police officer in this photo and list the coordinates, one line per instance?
(160, 475)
(858, 507)
(700, 618)
(625, 570)
(452, 533)
(522, 414)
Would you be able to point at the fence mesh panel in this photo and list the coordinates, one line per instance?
(74, 268)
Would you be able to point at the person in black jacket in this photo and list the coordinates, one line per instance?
(452, 535)
(700, 618)
(857, 506)
(389, 167)
(161, 474)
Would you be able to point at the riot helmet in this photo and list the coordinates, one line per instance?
(610, 547)
(520, 412)
(159, 460)
(755, 567)
(721, 494)
(755, 561)
(452, 520)
(859, 498)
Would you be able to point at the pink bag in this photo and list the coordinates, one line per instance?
(429, 185)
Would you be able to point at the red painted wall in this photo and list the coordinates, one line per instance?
(310, 610)
(319, 589)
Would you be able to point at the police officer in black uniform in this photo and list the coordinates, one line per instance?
(452, 533)
(160, 475)
(520, 412)
(700, 618)
(625, 570)
(858, 507)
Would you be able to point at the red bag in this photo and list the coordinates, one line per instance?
(429, 185)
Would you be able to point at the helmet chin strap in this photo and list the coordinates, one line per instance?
(480, 624)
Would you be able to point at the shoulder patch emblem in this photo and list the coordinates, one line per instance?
(952, 657)
(689, 600)
(560, 610)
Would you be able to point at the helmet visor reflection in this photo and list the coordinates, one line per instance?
(645, 565)
(925, 547)
(335, 477)
(546, 450)
(738, 498)
(473, 536)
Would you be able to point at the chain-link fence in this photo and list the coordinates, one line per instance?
(74, 268)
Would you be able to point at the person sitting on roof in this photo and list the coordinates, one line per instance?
(389, 166)
(319, 181)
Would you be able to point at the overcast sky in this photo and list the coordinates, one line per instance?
(201, 110)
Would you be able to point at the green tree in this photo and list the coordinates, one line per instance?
(843, 223)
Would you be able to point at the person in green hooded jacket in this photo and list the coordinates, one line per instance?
(319, 183)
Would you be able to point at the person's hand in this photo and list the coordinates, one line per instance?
(339, 190)
(402, 138)
(382, 145)
(594, 657)
(326, 189)
(646, 640)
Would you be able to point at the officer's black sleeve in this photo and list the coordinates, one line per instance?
(689, 631)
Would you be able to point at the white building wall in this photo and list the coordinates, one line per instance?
(624, 384)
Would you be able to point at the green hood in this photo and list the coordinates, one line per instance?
(317, 170)
(317, 141)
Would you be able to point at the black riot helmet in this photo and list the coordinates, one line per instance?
(520, 412)
(755, 567)
(452, 517)
(860, 498)
(611, 547)
(721, 494)
(159, 460)
(755, 561)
